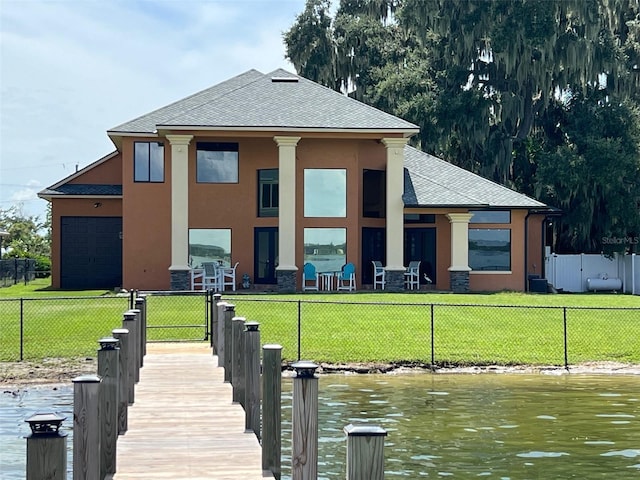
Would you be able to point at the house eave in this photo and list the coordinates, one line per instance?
(51, 196)
(406, 132)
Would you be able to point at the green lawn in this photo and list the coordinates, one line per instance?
(339, 328)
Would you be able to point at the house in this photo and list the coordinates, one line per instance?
(274, 170)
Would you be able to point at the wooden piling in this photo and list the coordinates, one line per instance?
(109, 371)
(220, 333)
(304, 422)
(139, 346)
(46, 448)
(141, 304)
(86, 428)
(215, 299)
(122, 334)
(229, 313)
(272, 409)
(237, 354)
(252, 377)
(365, 452)
(129, 322)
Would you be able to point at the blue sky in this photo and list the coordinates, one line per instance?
(72, 69)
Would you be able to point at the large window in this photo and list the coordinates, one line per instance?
(326, 248)
(374, 196)
(209, 245)
(490, 216)
(216, 162)
(148, 162)
(325, 192)
(268, 193)
(490, 249)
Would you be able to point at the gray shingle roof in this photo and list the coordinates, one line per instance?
(432, 182)
(83, 189)
(254, 100)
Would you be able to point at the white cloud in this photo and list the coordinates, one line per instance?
(71, 70)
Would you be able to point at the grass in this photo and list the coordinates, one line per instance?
(346, 328)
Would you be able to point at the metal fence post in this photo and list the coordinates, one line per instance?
(272, 409)
(237, 354)
(566, 347)
(86, 428)
(365, 452)
(433, 339)
(252, 377)
(46, 447)
(21, 329)
(122, 334)
(109, 371)
(299, 328)
(304, 422)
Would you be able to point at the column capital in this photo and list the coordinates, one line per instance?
(285, 141)
(394, 142)
(459, 217)
(179, 139)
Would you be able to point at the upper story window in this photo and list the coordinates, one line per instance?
(325, 192)
(268, 192)
(148, 162)
(216, 162)
(490, 216)
(374, 196)
(419, 218)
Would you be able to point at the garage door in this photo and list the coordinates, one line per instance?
(90, 252)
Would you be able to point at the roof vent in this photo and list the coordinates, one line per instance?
(284, 79)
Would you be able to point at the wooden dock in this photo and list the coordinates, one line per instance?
(183, 424)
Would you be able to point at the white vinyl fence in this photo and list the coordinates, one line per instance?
(577, 273)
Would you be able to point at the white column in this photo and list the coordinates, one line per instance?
(287, 202)
(395, 205)
(459, 241)
(179, 201)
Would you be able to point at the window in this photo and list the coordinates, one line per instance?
(490, 249)
(326, 248)
(209, 245)
(419, 218)
(216, 162)
(325, 192)
(374, 196)
(148, 162)
(268, 193)
(490, 216)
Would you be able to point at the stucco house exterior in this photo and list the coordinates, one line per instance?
(273, 171)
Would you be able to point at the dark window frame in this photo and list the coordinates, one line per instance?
(145, 176)
(222, 147)
(374, 197)
(489, 249)
(273, 186)
(480, 217)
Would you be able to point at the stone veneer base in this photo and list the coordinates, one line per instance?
(459, 281)
(287, 280)
(394, 280)
(180, 280)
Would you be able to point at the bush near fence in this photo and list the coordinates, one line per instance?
(337, 332)
(17, 270)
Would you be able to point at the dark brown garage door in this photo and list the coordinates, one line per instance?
(90, 252)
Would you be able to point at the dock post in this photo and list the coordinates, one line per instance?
(86, 427)
(365, 452)
(237, 364)
(46, 447)
(109, 371)
(129, 322)
(304, 422)
(141, 304)
(272, 409)
(215, 299)
(138, 315)
(252, 377)
(229, 313)
(122, 334)
(220, 332)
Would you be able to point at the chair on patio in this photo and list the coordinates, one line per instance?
(347, 277)
(378, 274)
(229, 276)
(412, 275)
(310, 278)
(211, 278)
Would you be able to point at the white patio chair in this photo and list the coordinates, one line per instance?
(378, 274)
(229, 277)
(211, 278)
(412, 275)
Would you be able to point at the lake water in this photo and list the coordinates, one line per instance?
(461, 426)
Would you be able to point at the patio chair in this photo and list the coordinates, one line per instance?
(211, 278)
(412, 275)
(347, 277)
(378, 274)
(229, 276)
(309, 274)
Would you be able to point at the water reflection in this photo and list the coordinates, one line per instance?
(497, 426)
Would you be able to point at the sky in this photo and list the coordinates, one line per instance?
(72, 69)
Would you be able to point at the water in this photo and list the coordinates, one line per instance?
(460, 426)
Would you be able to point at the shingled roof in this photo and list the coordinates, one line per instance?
(257, 101)
(432, 182)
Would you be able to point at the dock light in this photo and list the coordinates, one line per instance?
(108, 343)
(305, 369)
(45, 423)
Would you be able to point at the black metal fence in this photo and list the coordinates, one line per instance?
(17, 270)
(371, 334)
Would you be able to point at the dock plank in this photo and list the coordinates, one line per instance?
(183, 424)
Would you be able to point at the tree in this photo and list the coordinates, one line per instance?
(28, 235)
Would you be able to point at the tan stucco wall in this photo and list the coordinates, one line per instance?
(108, 172)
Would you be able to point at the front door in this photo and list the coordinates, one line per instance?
(265, 255)
(420, 244)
